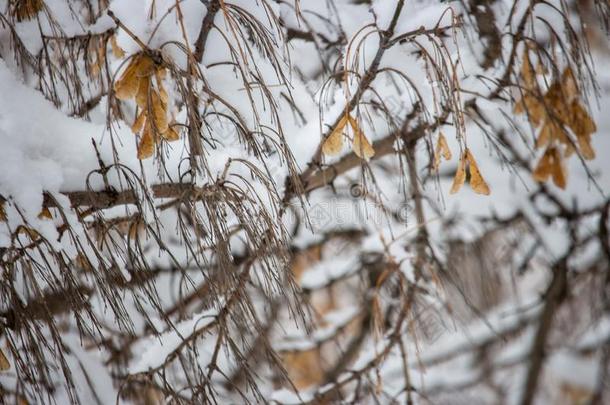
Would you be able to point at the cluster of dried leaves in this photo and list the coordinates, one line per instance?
(334, 143)
(23, 10)
(142, 81)
(555, 111)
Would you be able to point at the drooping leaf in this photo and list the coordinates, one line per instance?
(531, 106)
(146, 147)
(4, 364)
(361, 145)
(171, 134)
(127, 86)
(334, 143)
(477, 182)
(560, 175)
(139, 122)
(442, 149)
(117, 51)
(2, 212)
(159, 113)
(45, 214)
(460, 175)
(569, 86)
(544, 168)
(143, 90)
(527, 71)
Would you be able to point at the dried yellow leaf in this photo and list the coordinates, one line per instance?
(361, 145)
(163, 95)
(544, 168)
(25, 9)
(442, 149)
(569, 86)
(532, 107)
(4, 364)
(552, 131)
(551, 164)
(145, 66)
(527, 71)
(583, 127)
(117, 51)
(334, 143)
(460, 176)
(142, 96)
(171, 134)
(45, 213)
(556, 100)
(139, 122)
(477, 182)
(146, 147)
(587, 151)
(159, 113)
(127, 86)
(560, 174)
(160, 74)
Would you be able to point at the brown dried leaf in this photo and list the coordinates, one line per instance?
(2, 212)
(460, 176)
(552, 131)
(544, 168)
(117, 51)
(334, 143)
(532, 107)
(477, 182)
(587, 151)
(163, 95)
(127, 86)
(139, 122)
(527, 71)
(160, 74)
(361, 145)
(570, 88)
(146, 148)
(45, 213)
(560, 174)
(145, 66)
(142, 96)
(442, 149)
(557, 101)
(583, 127)
(159, 113)
(25, 9)
(171, 134)
(4, 364)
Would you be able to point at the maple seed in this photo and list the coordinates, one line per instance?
(117, 51)
(442, 149)
(25, 9)
(477, 182)
(4, 364)
(460, 176)
(361, 145)
(139, 122)
(45, 214)
(171, 134)
(551, 165)
(146, 147)
(334, 143)
(159, 114)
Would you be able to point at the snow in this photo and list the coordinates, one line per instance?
(44, 151)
